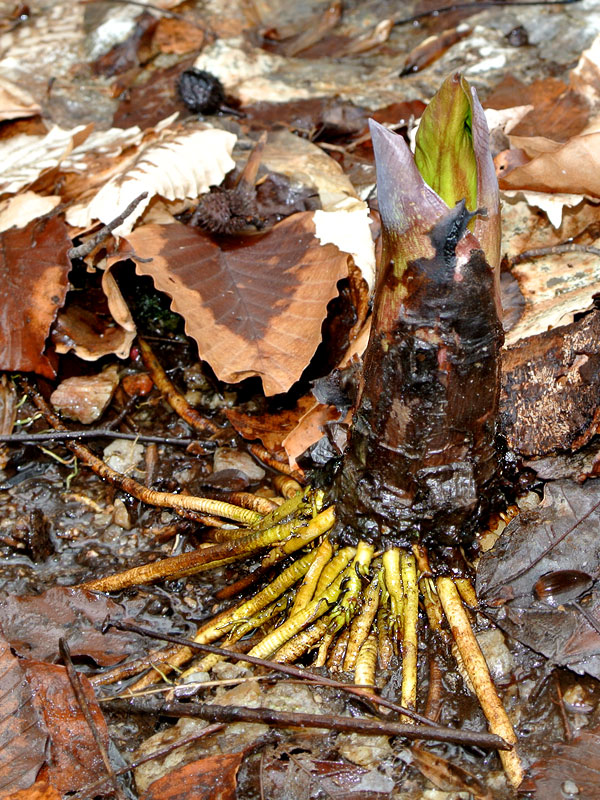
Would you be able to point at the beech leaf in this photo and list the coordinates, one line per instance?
(22, 736)
(210, 778)
(24, 158)
(33, 275)
(255, 308)
(180, 165)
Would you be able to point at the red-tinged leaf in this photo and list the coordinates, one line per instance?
(212, 778)
(254, 307)
(74, 758)
(572, 770)
(33, 625)
(33, 284)
(39, 791)
(558, 112)
(174, 35)
(23, 736)
(271, 429)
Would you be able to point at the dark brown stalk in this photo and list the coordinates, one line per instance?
(422, 442)
(294, 719)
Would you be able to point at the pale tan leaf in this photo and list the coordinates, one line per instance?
(19, 210)
(24, 158)
(16, 103)
(553, 205)
(254, 309)
(182, 164)
(585, 78)
(304, 163)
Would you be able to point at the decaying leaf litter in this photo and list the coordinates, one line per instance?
(567, 362)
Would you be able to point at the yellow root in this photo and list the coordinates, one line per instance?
(307, 588)
(352, 585)
(479, 674)
(361, 624)
(293, 625)
(409, 639)
(366, 662)
(302, 642)
(385, 649)
(393, 584)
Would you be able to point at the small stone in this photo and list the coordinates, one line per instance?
(366, 751)
(121, 515)
(86, 398)
(499, 658)
(123, 455)
(229, 458)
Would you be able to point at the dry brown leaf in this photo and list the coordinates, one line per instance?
(181, 164)
(75, 758)
(22, 736)
(344, 219)
(33, 278)
(39, 791)
(447, 775)
(253, 309)
(211, 778)
(585, 78)
(100, 326)
(177, 36)
(271, 429)
(573, 168)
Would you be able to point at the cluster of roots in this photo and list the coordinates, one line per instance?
(353, 607)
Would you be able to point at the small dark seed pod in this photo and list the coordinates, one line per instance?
(201, 91)
(562, 586)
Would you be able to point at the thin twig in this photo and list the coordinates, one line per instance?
(286, 669)
(554, 250)
(294, 719)
(86, 248)
(435, 12)
(75, 682)
(102, 433)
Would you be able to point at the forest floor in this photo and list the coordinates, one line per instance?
(244, 325)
